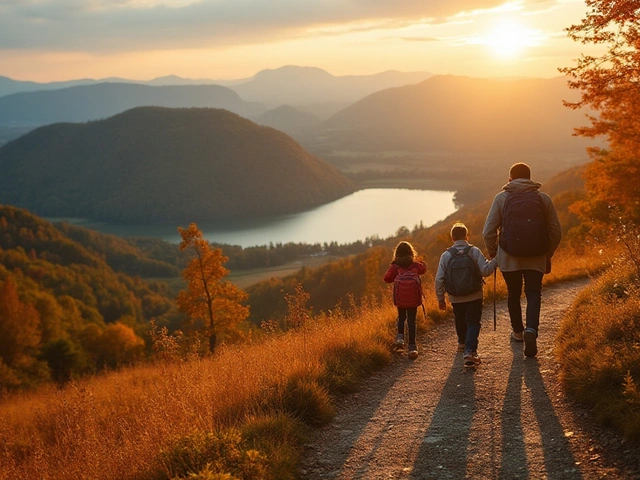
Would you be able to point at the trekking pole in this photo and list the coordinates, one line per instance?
(494, 300)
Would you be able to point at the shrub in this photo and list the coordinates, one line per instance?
(599, 349)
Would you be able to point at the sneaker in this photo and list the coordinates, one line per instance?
(530, 344)
(516, 336)
(471, 359)
(461, 347)
(400, 340)
(413, 352)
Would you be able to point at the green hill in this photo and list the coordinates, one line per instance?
(159, 165)
(63, 309)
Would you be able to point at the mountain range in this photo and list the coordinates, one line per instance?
(93, 102)
(153, 165)
(313, 88)
(460, 115)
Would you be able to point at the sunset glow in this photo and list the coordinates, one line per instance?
(144, 39)
(508, 38)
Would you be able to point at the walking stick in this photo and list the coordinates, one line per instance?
(494, 300)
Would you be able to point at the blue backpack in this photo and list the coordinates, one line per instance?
(524, 231)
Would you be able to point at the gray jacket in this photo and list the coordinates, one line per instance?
(493, 223)
(486, 267)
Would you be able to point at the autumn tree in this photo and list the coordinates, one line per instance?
(610, 88)
(20, 335)
(217, 303)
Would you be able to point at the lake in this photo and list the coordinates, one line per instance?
(365, 213)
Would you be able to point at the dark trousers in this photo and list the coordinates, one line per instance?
(533, 292)
(468, 316)
(408, 314)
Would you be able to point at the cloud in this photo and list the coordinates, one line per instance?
(420, 39)
(121, 25)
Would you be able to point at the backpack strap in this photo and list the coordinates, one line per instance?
(454, 251)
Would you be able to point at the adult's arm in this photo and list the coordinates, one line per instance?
(554, 228)
(491, 225)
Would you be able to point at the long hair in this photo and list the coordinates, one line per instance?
(404, 251)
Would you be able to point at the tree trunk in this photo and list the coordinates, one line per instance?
(212, 342)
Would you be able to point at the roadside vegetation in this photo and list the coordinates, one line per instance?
(241, 413)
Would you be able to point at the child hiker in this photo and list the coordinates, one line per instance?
(404, 272)
(459, 274)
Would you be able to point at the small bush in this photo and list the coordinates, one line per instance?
(213, 455)
(305, 399)
(347, 365)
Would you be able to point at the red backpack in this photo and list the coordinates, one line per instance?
(407, 289)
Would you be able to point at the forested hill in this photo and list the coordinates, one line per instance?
(63, 308)
(152, 165)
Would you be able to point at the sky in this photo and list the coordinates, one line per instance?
(54, 40)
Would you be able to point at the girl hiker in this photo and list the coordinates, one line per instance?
(404, 272)
(459, 274)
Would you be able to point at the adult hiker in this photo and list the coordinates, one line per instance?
(522, 232)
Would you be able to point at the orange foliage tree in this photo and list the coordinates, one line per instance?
(610, 85)
(208, 298)
(20, 336)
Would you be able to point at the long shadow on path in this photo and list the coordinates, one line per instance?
(539, 452)
(443, 450)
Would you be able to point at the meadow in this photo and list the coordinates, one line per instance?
(244, 412)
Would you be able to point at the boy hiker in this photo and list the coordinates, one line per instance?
(404, 272)
(460, 273)
(522, 232)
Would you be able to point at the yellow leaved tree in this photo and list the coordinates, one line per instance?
(209, 299)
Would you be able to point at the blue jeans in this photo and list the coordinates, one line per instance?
(408, 314)
(468, 316)
(533, 292)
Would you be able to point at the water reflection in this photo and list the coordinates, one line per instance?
(365, 213)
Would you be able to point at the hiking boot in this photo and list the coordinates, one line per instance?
(413, 352)
(530, 343)
(471, 359)
(517, 337)
(400, 340)
(461, 347)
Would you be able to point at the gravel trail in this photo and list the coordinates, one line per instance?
(431, 419)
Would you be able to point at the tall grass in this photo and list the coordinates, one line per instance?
(240, 413)
(599, 346)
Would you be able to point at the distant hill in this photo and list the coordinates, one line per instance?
(159, 165)
(93, 102)
(461, 114)
(288, 119)
(298, 86)
(312, 87)
(9, 86)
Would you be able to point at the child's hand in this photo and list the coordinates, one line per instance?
(442, 305)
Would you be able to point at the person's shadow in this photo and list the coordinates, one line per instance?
(448, 434)
(559, 462)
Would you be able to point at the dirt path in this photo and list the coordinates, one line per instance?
(432, 419)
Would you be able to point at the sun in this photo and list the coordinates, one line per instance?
(507, 38)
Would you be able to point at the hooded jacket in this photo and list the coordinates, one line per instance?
(493, 224)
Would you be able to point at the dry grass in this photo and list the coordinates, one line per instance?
(241, 412)
(115, 426)
(599, 348)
